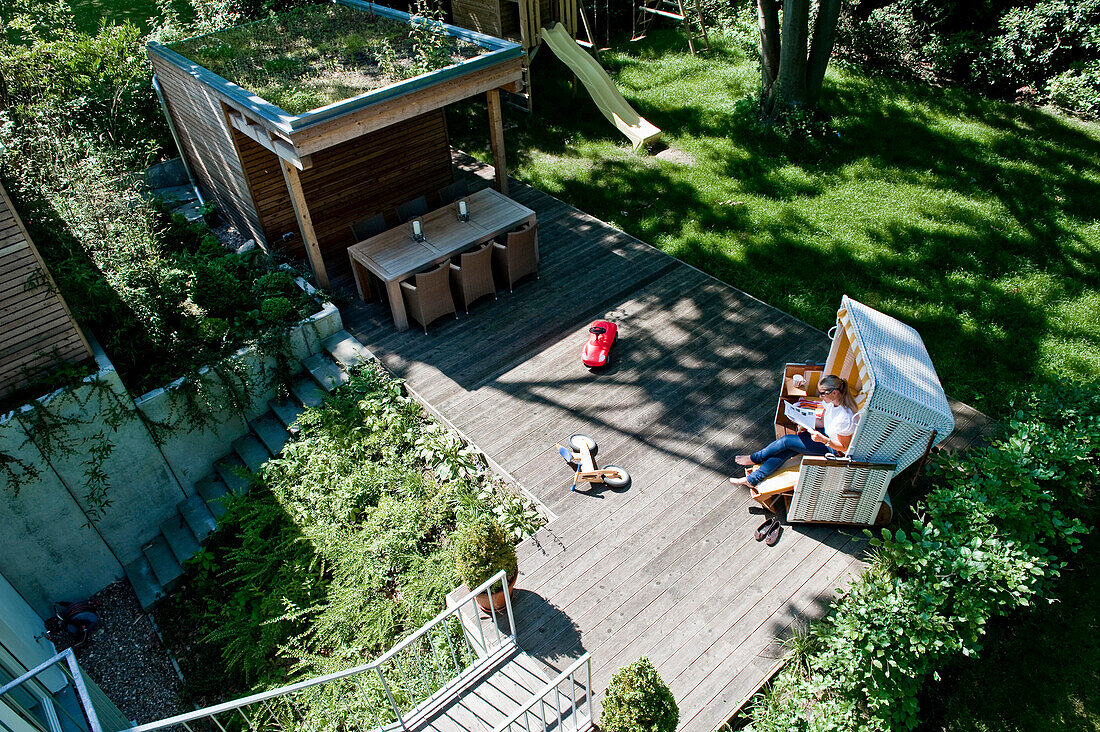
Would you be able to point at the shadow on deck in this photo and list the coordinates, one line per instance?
(667, 568)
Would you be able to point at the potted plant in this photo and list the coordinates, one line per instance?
(481, 548)
(638, 700)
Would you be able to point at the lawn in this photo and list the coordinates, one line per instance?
(972, 220)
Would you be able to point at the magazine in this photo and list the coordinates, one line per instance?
(801, 417)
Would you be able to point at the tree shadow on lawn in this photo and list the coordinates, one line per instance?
(980, 228)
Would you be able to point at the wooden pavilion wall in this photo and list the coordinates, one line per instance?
(205, 135)
(370, 174)
(38, 330)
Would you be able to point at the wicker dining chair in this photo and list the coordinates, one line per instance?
(430, 297)
(453, 192)
(411, 209)
(472, 277)
(368, 227)
(518, 256)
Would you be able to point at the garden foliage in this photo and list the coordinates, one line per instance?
(1046, 51)
(638, 700)
(992, 536)
(79, 124)
(340, 549)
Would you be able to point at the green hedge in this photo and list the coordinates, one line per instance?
(992, 535)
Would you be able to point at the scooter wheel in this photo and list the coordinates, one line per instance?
(575, 442)
(620, 481)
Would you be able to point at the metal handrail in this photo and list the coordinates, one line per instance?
(375, 665)
(552, 688)
(67, 660)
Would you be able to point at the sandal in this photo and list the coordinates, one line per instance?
(773, 534)
(764, 528)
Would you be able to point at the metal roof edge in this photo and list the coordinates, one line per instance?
(401, 88)
(283, 121)
(277, 116)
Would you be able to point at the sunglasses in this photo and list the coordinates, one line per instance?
(829, 391)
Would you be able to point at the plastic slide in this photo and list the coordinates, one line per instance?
(617, 110)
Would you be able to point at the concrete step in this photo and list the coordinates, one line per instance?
(200, 519)
(287, 413)
(325, 371)
(306, 391)
(271, 432)
(229, 469)
(251, 451)
(346, 350)
(165, 567)
(212, 489)
(145, 585)
(181, 541)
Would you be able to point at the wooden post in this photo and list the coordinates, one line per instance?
(305, 223)
(496, 139)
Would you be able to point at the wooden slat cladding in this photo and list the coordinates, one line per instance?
(38, 330)
(483, 16)
(370, 174)
(207, 141)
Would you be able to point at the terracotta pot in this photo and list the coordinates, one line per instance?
(498, 597)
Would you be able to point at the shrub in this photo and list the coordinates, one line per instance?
(277, 309)
(1076, 90)
(638, 700)
(481, 548)
(992, 536)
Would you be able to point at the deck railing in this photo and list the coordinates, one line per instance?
(556, 710)
(380, 695)
(86, 708)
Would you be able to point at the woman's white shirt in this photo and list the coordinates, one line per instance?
(838, 420)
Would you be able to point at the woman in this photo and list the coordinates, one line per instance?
(835, 434)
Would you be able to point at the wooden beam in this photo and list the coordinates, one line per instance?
(305, 223)
(383, 114)
(283, 148)
(496, 139)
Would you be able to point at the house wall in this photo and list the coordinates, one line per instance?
(38, 330)
(353, 180)
(205, 136)
(50, 548)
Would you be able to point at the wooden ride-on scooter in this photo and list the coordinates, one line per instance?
(581, 456)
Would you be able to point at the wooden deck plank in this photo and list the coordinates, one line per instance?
(667, 568)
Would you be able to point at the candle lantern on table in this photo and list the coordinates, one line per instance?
(463, 212)
(418, 234)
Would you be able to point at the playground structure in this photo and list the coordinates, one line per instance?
(530, 23)
(614, 106)
(687, 13)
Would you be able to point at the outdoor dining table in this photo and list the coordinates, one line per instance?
(394, 255)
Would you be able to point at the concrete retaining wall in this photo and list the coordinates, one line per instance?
(53, 546)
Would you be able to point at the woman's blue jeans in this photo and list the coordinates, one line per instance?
(786, 447)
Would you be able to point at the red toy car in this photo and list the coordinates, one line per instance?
(597, 352)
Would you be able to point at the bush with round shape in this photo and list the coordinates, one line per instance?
(638, 700)
(481, 548)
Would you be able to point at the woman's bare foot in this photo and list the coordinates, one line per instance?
(745, 460)
(739, 481)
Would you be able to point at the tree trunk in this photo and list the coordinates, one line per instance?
(792, 53)
(767, 13)
(821, 47)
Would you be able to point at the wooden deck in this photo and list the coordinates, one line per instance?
(667, 568)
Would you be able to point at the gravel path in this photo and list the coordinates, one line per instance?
(126, 658)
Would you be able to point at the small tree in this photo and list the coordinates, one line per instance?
(638, 700)
(791, 77)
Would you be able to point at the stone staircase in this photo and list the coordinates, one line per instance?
(159, 569)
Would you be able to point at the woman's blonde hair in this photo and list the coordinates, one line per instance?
(832, 381)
